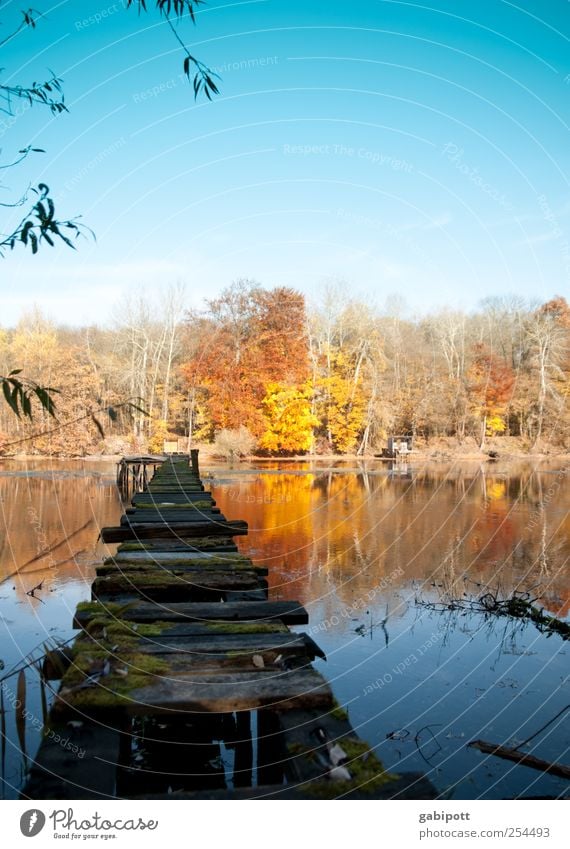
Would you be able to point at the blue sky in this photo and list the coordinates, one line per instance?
(411, 149)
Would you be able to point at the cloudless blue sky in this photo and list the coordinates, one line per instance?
(407, 148)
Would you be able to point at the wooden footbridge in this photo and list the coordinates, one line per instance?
(186, 681)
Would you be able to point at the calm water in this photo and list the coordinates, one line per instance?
(363, 548)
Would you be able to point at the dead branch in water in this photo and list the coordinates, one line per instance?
(520, 757)
(518, 606)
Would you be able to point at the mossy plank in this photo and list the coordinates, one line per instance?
(161, 579)
(225, 693)
(121, 632)
(163, 586)
(192, 569)
(173, 497)
(182, 557)
(287, 612)
(186, 649)
(151, 502)
(173, 530)
(197, 544)
(148, 517)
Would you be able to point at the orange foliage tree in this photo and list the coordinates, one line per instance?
(250, 338)
(490, 387)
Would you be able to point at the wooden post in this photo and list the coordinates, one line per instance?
(243, 758)
(270, 749)
(194, 461)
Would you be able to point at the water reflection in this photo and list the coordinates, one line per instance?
(360, 548)
(50, 515)
(358, 544)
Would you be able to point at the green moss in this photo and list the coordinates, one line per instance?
(112, 690)
(142, 580)
(117, 631)
(233, 561)
(246, 627)
(133, 546)
(98, 608)
(296, 749)
(368, 774)
(339, 712)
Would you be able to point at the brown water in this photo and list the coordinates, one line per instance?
(363, 548)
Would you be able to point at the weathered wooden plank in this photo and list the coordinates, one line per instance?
(174, 530)
(206, 650)
(198, 544)
(178, 568)
(117, 631)
(176, 508)
(161, 683)
(174, 497)
(245, 595)
(181, 509)
(149, 517)
(82, 767)
(163, 579)
(288, 612)
(182, 557)
(166, 586)
(159, 489)
(163, 477)
(225, 693)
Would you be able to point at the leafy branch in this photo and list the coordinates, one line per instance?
(47, 93)
(196, 71)
(41, 225)
(19, 392)
(110, 410)
(28, 20)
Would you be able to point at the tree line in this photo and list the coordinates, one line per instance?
(259, 370)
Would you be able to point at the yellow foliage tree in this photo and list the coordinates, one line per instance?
(288, 417)
(159, 435)
(344, 402)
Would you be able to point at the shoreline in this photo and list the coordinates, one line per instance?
(438, 456)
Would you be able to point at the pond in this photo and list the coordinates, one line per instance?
(388, 562)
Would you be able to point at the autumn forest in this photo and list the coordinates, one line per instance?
(259, 370)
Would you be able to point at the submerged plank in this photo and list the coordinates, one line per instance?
(75, 762)
(408, 785)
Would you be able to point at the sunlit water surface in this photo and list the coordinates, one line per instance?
(367, 549)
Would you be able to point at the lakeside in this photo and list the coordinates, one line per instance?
(441, 450)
